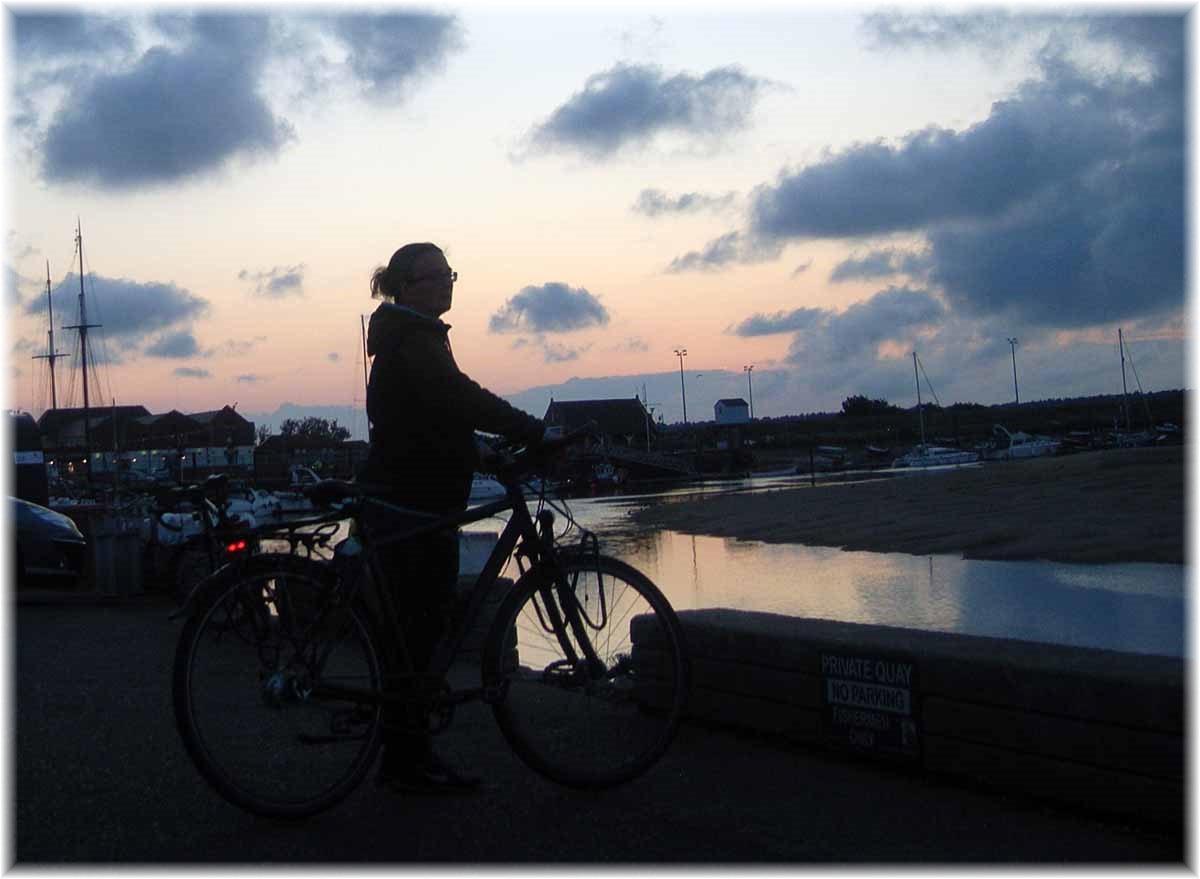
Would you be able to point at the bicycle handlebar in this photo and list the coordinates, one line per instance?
(508, 463)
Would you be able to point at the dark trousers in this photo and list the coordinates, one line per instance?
(422, 576)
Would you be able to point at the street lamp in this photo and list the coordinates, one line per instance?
(682, 353)
(1012, 343)
(749, 370)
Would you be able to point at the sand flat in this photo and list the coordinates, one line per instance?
(1119, 505)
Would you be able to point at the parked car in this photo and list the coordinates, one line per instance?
(49, 545)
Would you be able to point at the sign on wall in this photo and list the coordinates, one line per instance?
(869, 703)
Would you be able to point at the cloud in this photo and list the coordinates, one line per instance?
(781, 322)
(175, 114)
(12, 286)
(802, 268)
(655, 202)
(552, 307)
(944, 31)
(388, 52)
(239, 347)
(891, 314)
(632, 345)
(1063, 208)
(179, 345)
(277, 283)
(882, 263)
(553, 353)
(65, 34)
(248, 378)
(630, 104)
(333, 357)
(191, 372)
(128, 310)
(723, 251)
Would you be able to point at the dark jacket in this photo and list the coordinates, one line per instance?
(423, 413)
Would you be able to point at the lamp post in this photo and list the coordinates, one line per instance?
(682, 353)
(1012, 343)
(749, 370)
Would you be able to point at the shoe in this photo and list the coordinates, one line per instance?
(430, 776)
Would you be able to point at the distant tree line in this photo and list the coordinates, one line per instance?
(310, 427)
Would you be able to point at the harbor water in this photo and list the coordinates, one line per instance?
(1137, 608)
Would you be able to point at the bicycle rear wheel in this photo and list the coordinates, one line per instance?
(583, 723)
(254, 668)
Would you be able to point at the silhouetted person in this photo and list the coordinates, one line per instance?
(423, 413)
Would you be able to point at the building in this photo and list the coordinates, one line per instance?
(128, 439)
(733, 410)
(621, 422)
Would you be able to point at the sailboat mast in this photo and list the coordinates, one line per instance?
(83, 326)
(51, 355)
(1124, 388)
(920, 410)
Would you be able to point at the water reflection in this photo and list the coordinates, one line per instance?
(1129, 607)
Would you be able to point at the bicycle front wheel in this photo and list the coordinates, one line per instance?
(590, 673)
(277, 697)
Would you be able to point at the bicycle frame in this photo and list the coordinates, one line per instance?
(520, 530)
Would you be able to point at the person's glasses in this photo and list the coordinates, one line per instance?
(440, 278)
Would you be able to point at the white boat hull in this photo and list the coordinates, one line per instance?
(935, 456)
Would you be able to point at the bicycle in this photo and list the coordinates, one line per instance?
(279, 678)
(222, 535)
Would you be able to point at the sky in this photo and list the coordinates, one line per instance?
(811, 192)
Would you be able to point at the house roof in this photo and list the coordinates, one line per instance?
(53, 420)
(206, 417)
(732, 401)
(622, 416)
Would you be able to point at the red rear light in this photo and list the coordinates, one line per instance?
(237, 546)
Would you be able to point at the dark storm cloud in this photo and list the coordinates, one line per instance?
(388, 52)
(277, 283)
(66, 34)
(128, 310)
(629, 104)
(553, 307)
(1063, 207)
(723, 251)
(175, 114)
(192, 372)
(655, 202)
(178, 345)
(879, 264)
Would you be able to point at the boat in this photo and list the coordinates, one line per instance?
(924, 455)
(935, 456)
(252, 505)
(293, 499)
(1014, 446)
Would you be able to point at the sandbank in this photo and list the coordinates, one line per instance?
(1118, 505)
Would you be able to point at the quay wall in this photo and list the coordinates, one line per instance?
(1085, 727)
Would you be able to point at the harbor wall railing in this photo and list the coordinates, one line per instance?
(1091, 728)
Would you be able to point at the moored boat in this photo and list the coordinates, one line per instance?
(935, 456)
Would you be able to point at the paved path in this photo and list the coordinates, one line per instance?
(101, 777)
